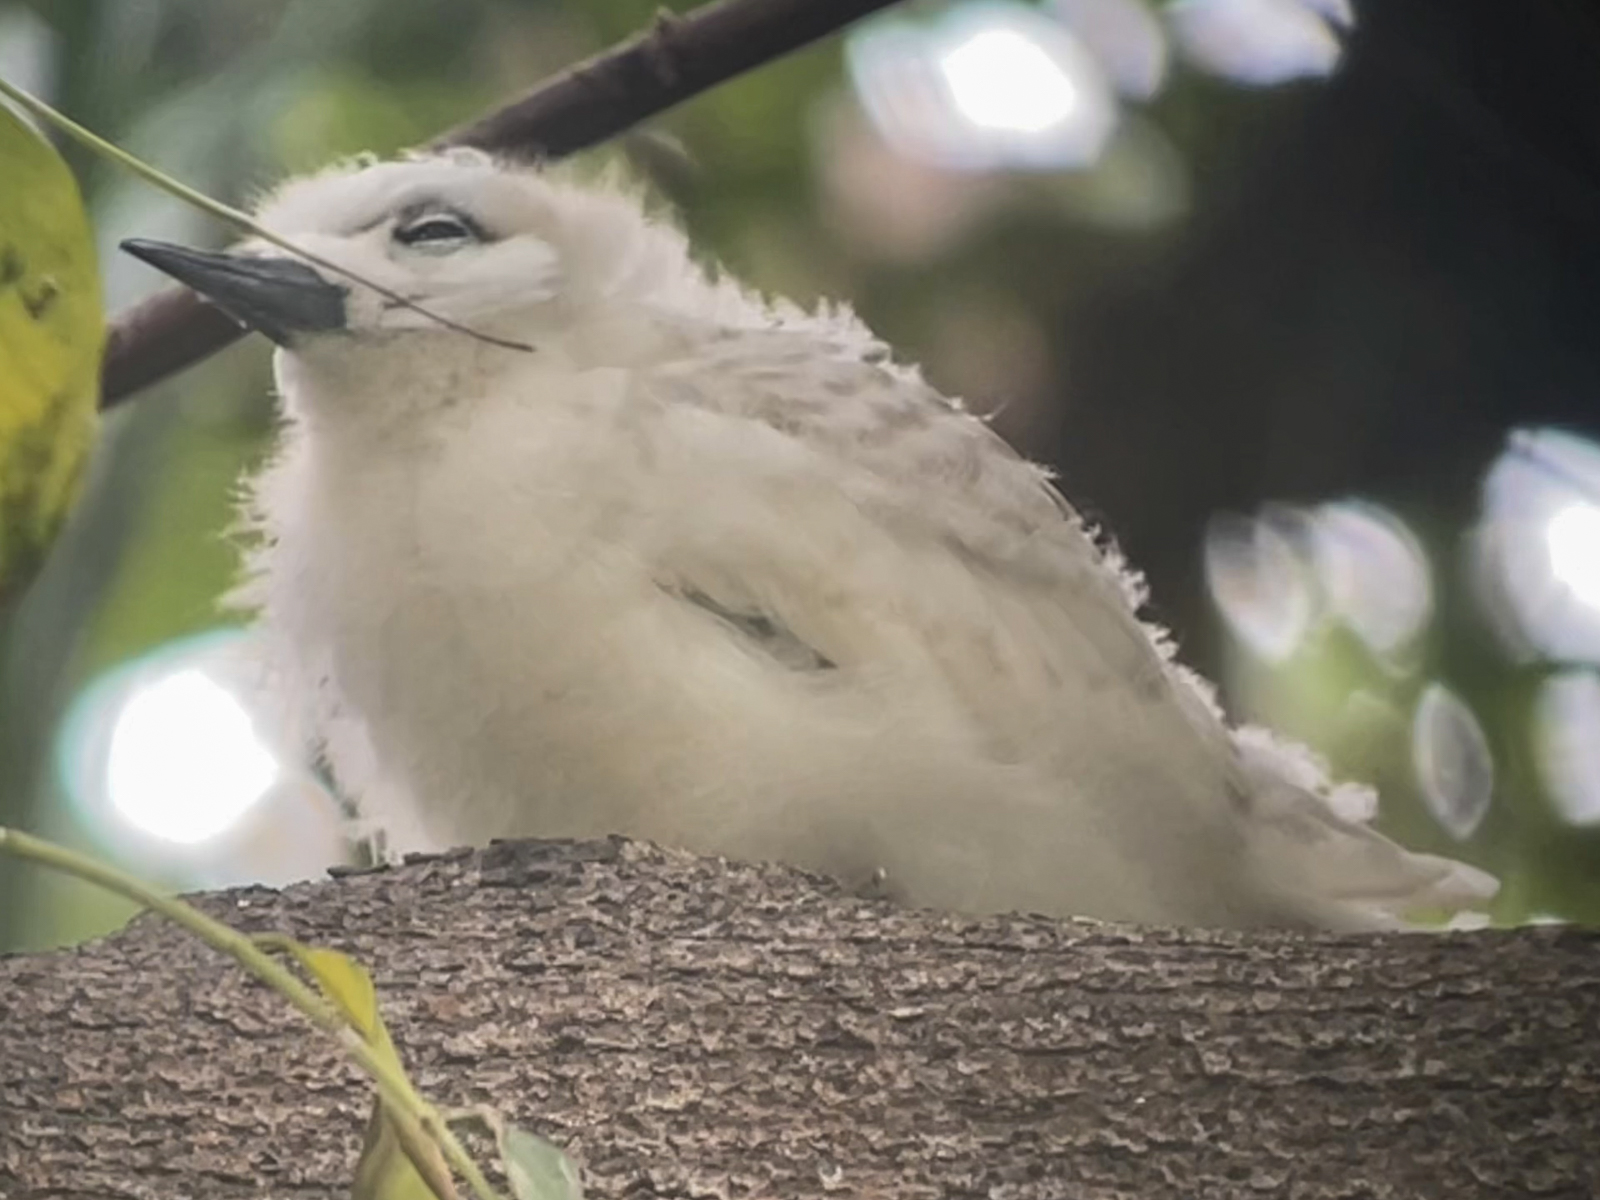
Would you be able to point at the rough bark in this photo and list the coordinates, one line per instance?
(692, 1028)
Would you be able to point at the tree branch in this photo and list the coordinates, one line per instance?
(679, 57)
(691, 1027)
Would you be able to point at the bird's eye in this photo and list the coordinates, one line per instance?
(437, 231)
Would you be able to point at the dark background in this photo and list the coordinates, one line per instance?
(1396, 267)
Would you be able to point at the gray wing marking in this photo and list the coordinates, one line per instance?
(760, 630)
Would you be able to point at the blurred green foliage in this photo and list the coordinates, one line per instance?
(231, 95)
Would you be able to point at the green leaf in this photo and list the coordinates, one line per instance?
(399, 1163)
(52, 330)
(398, 1160)
(537, 1169)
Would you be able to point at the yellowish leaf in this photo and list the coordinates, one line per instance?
(345, 982)
(399, 1163)
(398, 1160)
(52, 332)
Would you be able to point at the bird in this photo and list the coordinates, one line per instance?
(569, 535)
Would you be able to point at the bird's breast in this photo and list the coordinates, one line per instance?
(609, 615)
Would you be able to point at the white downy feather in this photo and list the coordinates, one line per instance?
(710, 570)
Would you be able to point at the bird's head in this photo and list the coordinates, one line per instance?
(444, 250)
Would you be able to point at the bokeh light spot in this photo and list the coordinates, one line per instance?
(1573, 540)
(1537, 546)
(184, 762)
(1567, 737)
(1259, 42)
(1259, 583)
(992, 86)
(1454, 767)
(1001, 80)
(1373, 571)
(1125, 38)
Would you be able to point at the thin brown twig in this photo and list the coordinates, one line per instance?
(677, 58)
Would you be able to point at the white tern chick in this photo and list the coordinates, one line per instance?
(703, 569)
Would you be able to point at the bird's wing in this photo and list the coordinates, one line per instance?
(938, 467)
(931, 479)
(1029, 618)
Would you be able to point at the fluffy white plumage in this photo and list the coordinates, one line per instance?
(712, 571)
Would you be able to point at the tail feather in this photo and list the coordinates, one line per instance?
(1312, 843)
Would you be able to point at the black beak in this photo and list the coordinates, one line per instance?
(280, 297)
